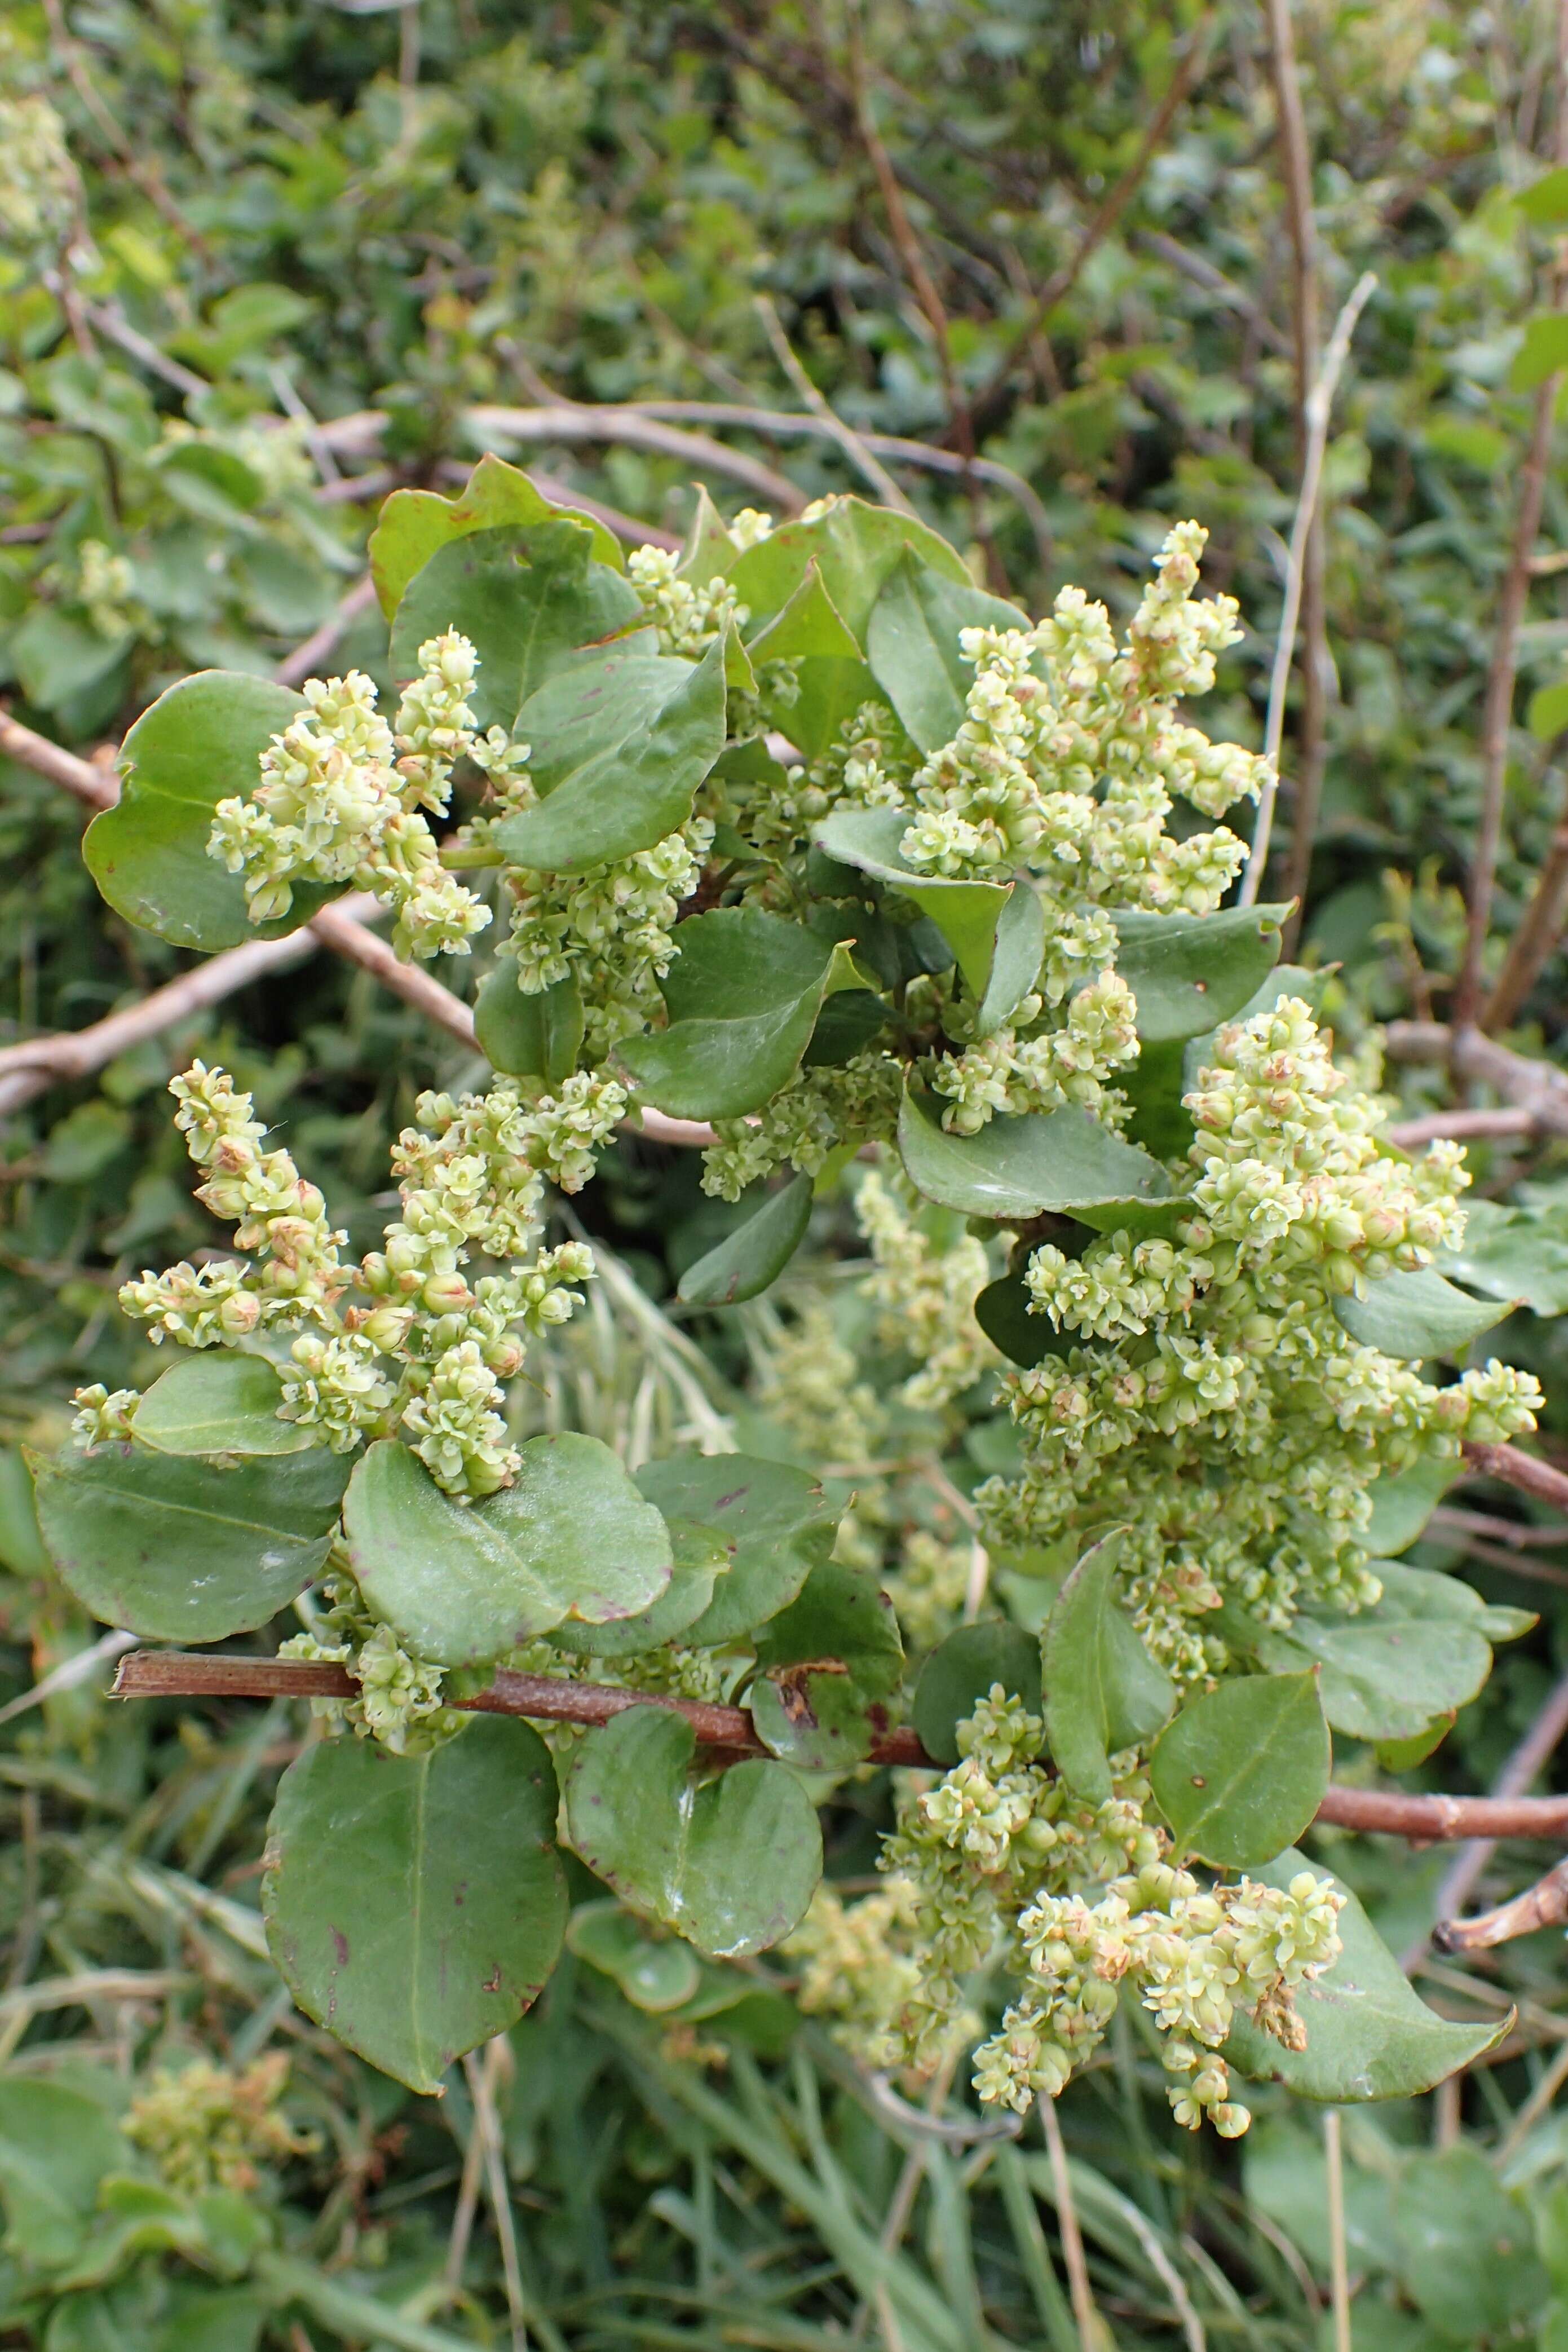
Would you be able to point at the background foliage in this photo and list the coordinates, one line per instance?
(972, 225)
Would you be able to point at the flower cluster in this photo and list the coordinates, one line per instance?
(688, 614)
(208, 2126)
(821, 1111)
(927, 1282)
(341, 795)
(37, 180)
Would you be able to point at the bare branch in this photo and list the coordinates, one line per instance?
(568, 422)
(1525, 1471)
(1544, 1904)
(1458, 1127)
(1438, 1820)
(306, 659)
(1529, 1758)
(1531, 945)
(97, 786)
(861, 458)
(1527, 1084)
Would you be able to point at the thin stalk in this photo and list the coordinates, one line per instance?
(1339, 2265)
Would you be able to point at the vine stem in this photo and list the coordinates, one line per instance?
(556, 1698)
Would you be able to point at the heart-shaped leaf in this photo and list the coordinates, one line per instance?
(822, 1665)
(1019, 1167)
(413, 524)
(198, 744)
(854, 546)
(912, 643)
(966, 912)
(461, 1585)
(777, 1521)
(730, 1865)
(809, 625)
(744, 994)
(217, 1400)
(415, 1905)
(1242, 1770)
(538, 1037)
(1189, 972)
(1103, 1692)
(961, 1671)
(702, 1555)
(1415, 1315)
(756, 1253)
(524, 598)
(182, 1547)
(629, 794)
(1368, 2036)
(1422, 1651)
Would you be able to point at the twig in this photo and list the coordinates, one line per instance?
(108, 320)
(1544, 1904)
(568, 422)
(1513, 1533)
(1459, 1127)
(1525, 1471)
(1074, 2263)
(1339, 2265)
(69, 1674)
(861, 458)
(1319, 403)
(1477, 1059)
(554, 1699)
(1202, 272)
(1531, 945)
(1060, 282)
(1530, 1755)
(306, 659)
(292, 407)
(482, 2076)
(1296, 171)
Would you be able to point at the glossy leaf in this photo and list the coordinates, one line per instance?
(854, 546)
(1190, 972)
(1019, 1167)
(967, 913)
(655, 1974)
(754, 1255)
(1421, 1651)
(415, 1905)
(463, 1584)
(217, 1400)
(538, 1037)
(602, 697)
(702, 1555)
(525, 599)
(1416, 1315)
(1368, 2036)
(200, 743)
(1102, 1690)
(413, 524)
(961, 1671)
(1242, 1770)
(808, 627)
(777, 1521)
(743, 994)
(688, 1855)
(630, 793)
(911, 642)
(822, 1665)
(179, 1548)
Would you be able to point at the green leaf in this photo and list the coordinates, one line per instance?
(463, 1584)
(1470, 2260)
(968, 913)
(1190, 972)
(1544, 350)
(55, 2146)
(911, 642)
(538, 1037)
(1015, 960)
(524, 598)
(1403, 1503)
(747, 1260)
(217, 1400)
(777, 1521)
(1387, 1671)
(1020, 1167)
(809, 624)
(1416, 1315)
(180, 1548)
(1240, 1772)
(1513, 1254)
(655, 1974)
(415, 1905)
(822, 1665)
(730, 1865)
(1102, 1690)
(200, 743)
(829, 692)
(414, 523)
(854, 546)
(629, 794)
(1544, 203)
(1548, 711)
(1004, 1314)
(846, 1024)
(55, 658)
(710, 549)
(962, 1670)
(599, 698)
(743, 994)
(1368, 2037)
(702, 1555)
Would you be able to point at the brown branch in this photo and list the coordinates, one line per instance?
(1531, 945)
(1525, 1471)
(306, 659)
(1498, 708)
(1527, 1761)
(552, 1698)
(1544, 1904)
(1474, 1059)
(1060, 284)
(568, 422)
(1458, 1127)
